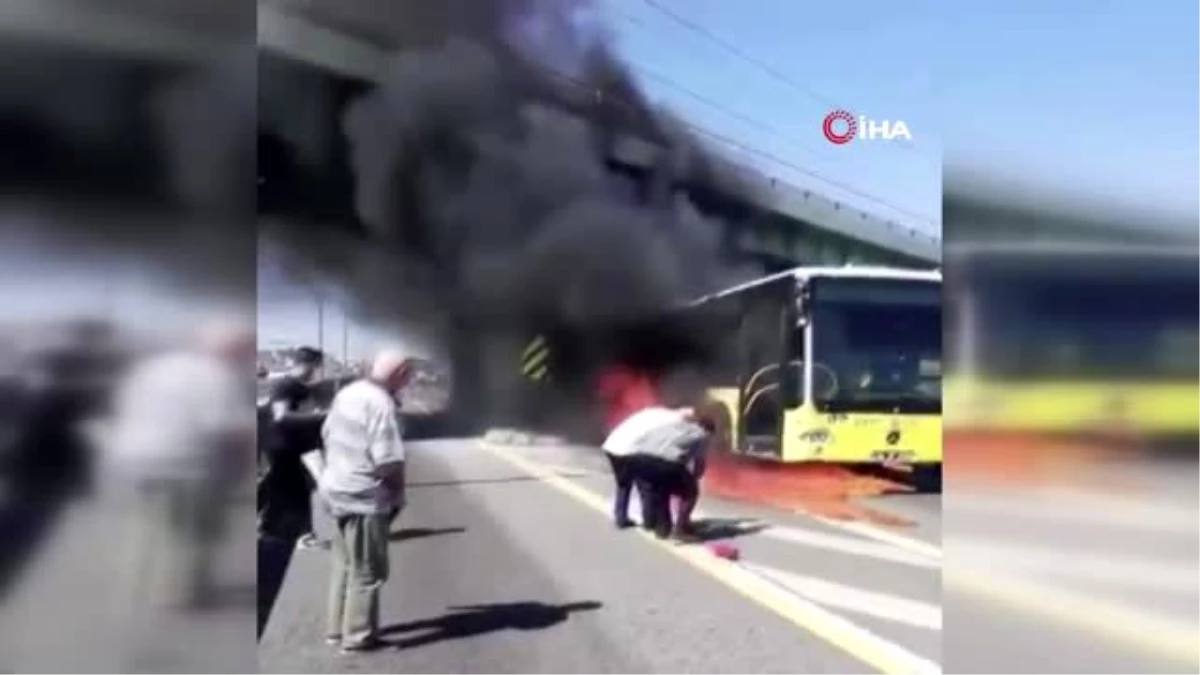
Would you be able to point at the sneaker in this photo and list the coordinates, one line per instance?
(624, 524)
(368, 645)
(310, 541)
(684, 536)
(333, 640)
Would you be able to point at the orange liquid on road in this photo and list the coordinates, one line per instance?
(825, 490)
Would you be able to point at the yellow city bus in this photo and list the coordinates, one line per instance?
(832, 364)
(1070, 342)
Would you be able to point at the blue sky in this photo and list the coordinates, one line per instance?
(1089, 96)
(42, 279)
(861, 62)
(1098, 97)
(291, 314)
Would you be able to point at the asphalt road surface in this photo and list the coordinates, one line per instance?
(1075, 579)
(81, 605)
(506, 561)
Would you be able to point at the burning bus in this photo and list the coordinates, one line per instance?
(815, 364)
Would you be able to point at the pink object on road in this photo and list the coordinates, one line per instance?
(725, 550)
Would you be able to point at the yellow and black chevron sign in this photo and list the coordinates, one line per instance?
(535, 360)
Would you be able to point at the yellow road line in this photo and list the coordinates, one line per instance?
(1143, 632)
(886, 657)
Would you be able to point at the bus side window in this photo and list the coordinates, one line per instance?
(720, 322)
(792, 382)
(761, 338)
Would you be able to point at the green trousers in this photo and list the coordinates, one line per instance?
(180, 524)
(359, 569)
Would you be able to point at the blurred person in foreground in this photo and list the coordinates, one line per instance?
(362, 484)
(183, 433)
(285, 498)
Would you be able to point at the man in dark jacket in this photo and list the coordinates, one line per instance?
(293, 428)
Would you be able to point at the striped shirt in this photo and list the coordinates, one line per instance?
(361, 436)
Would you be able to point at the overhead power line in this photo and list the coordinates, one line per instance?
(739, 145)
(762, 65)
(717, 105)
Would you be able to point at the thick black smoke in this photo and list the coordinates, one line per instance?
(133, 161)
(489, 206)
(510, 200)
(484, 181)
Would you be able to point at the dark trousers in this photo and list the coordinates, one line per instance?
(285, 498)
(624, 470)
(666, 479)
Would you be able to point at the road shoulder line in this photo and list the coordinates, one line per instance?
(883, 655)
(1129, 626)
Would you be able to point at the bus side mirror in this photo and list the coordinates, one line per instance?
(802, 307)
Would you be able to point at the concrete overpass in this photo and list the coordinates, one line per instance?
(340, 47)
(787, 225)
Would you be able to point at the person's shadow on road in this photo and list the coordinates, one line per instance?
(471, 620)
(712, 529)
(410, 533)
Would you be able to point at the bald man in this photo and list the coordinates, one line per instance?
(363, 485)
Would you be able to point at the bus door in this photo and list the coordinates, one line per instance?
(764, 344)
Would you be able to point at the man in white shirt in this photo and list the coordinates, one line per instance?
(363, 485)
(664, 448)
(183, 434)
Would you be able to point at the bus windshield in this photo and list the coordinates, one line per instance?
(877, 345)
(1120, 319)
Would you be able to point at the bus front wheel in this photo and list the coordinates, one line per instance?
(927, 478)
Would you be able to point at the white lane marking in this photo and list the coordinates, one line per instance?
(885, 655)
(855, 546)
(1119, 623)
(1081, 508)
(1140, 572)
(888, 551)
(895, 548)
(852, 599)
(881, 649)
(915, 546)
(923, 551)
